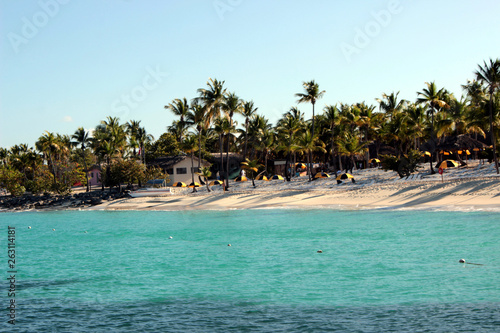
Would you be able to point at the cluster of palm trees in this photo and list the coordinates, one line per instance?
(341, 135)
(66, 159)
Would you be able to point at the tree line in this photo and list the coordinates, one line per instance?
(340, 135)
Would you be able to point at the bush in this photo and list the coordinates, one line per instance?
(404, 166)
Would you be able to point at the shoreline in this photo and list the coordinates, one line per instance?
(463, 189)
(451, 195)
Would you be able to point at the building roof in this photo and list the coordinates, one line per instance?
(167, 162)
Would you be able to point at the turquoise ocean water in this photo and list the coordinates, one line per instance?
(379, 271)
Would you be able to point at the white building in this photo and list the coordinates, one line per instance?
(179, 168)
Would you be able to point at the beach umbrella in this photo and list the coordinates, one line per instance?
(345, 176)
(179, 184)
(216, 182)
(261, 177)
(300, 165)
(195, 184)
(321, 175)
(241, 179)
(277, 177)
(374, 160)
(447, 164)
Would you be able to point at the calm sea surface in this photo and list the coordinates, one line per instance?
(380, 271)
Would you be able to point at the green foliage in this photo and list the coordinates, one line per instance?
(124, 171)
(10, 179)
(404, 166)
(166, 145)
(42, 181)
(155, 173)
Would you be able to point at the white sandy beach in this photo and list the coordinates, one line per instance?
(476, 187)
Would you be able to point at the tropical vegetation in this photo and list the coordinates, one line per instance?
(219, 122)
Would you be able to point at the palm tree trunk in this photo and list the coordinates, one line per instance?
(227, 152)
(221, 159)
(192, 173)
(86, 169)
(309, 168)
(493, 140)
(246, 139)
(199, 155)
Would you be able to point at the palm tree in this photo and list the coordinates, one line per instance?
(179, 107)
(434, 99)
(308, 143)
(247, 111)
(205, 173)
(197, 117)
(390, 104)
(351, 146)
(287, 127)
(189, 146)
(132, 128)
(81, 137)
(49, 146)
(489, 75)
(212, 98)
(310, 96)
(251, 166)
(231, 105)
(331, 118)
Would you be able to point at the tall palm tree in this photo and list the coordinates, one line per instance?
(288, 126)
(232, 104)
(179, 107)
(81, 137)
(221, 127)
(248, 110)
(489, 75)
(132, 128)
(331, 118)
(212, 97)
(197, 118)
(311, 95)
(189, 146)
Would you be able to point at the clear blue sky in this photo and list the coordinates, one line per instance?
(71, 63)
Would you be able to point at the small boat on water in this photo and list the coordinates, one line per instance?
(151, 192)
(155, 188)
